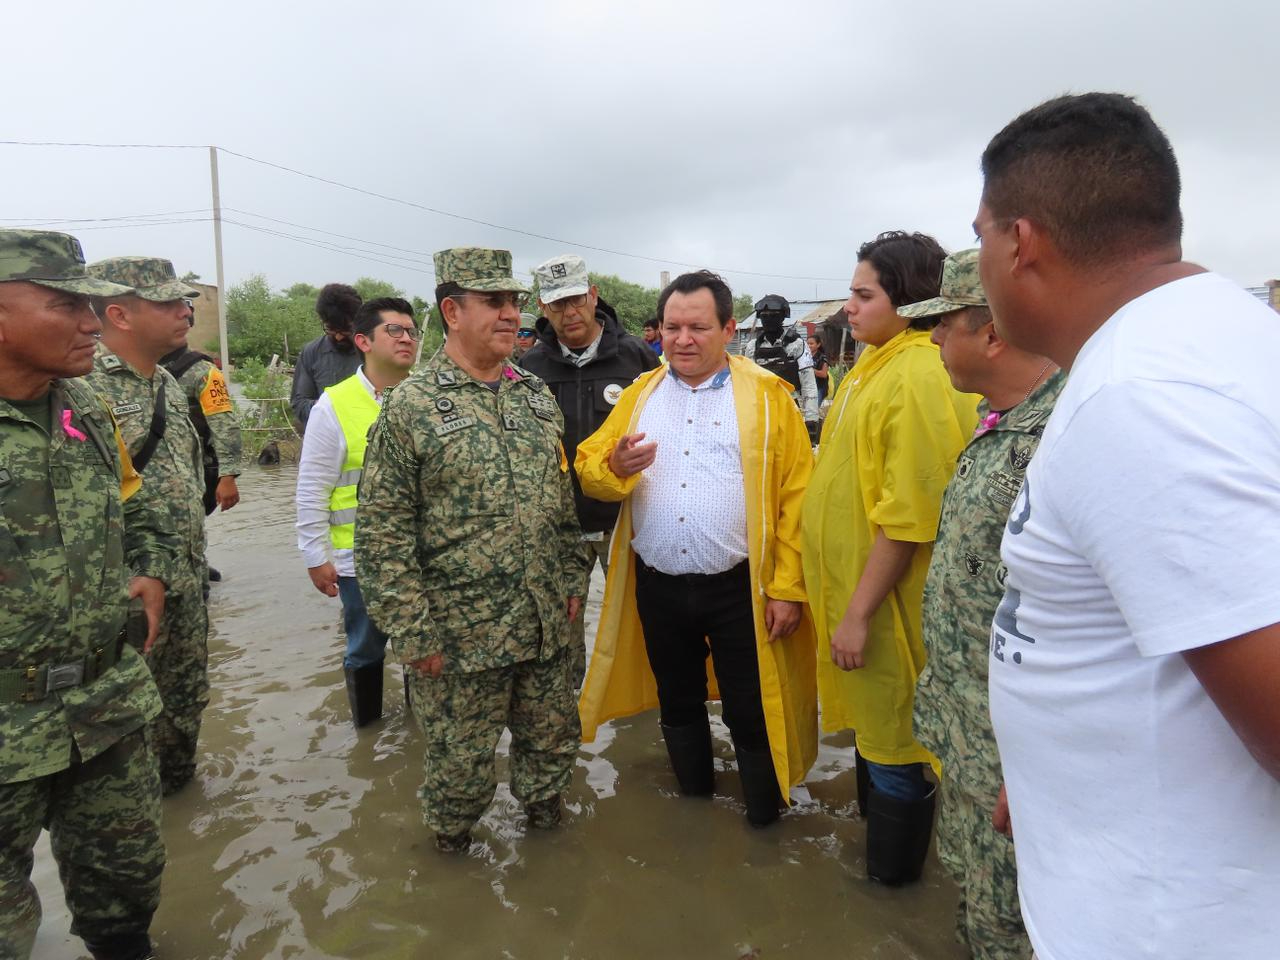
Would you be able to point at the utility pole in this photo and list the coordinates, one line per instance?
(664, 278)
(217, 252)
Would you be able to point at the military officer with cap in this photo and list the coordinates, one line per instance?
(138, 328)
(77, 539)
(467, 552)
(961, 593)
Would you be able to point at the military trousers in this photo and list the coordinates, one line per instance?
(179, 661)
(594, 550)
(462, 716)
(980, 861)
(103, 818)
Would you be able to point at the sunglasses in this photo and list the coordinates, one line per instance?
(499, 300)
(525, 334)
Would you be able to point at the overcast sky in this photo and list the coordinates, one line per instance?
(766, 138)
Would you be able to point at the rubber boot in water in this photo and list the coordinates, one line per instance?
(121, 946)
(364, 691)
(862, 776)
(759, 785)
(689, 748)
(898, 835)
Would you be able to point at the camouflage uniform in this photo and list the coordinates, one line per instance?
(467, 546)
(178, 660)
(206, 391)
(73, 759)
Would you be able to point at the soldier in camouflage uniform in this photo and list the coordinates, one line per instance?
(963, 589)
(138, 329)
(467, 552)
(213, 414)
(74, 700)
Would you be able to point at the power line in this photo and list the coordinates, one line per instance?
(424, 207)
(44, 221)
(113, 226)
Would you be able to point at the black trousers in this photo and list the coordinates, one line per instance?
(687, 617)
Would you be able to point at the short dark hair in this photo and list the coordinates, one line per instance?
(337, 306)
(909, 268)
(693, 282)
(976, 317)
(444, 291)
(1093, 170)
(370, 313)
(652, 323)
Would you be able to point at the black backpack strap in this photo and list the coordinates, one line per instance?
(155, 432)
(184, 361)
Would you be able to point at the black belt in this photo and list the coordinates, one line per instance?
(29, 684)
(740, 569)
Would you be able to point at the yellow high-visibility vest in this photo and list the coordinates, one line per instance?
(356, 410)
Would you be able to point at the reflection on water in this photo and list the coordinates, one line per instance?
(303, 838)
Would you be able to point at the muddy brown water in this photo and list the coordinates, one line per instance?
(303, 838)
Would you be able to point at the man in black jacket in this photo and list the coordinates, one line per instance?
(586, 358)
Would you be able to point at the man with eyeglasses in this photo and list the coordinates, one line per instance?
(329, 358)
(328, 476)
(587, 359)
(468, 554)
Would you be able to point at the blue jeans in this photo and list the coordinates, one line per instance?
(366, 644)
(900, 781)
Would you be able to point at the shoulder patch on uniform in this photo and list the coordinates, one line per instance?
(215, 398)
(612, 392)
(111, 362)
(124, 409)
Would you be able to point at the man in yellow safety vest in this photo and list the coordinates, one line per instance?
(328, 475)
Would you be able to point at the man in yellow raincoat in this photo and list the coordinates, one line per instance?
(888, 449)
(705, 556)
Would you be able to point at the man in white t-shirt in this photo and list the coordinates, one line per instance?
(1135, 657)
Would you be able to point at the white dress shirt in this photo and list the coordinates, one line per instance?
(688, 511)
(324, 450)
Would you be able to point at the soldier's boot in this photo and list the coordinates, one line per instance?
(215, 575)
(121, 946)
(898, 835)
(759, 785)
(364, 691)
(453, 843)
(408, 701)
(689, 748)
(544, 814)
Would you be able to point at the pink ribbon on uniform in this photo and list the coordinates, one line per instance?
(69, 430)
(986, 423)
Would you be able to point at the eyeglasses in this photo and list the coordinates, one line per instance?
(560, 306)
(525, 334)
(498, 300)
(398, 330)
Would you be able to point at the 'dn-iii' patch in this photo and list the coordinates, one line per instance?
(215, 398)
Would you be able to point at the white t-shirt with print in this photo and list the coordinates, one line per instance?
(1149, 524)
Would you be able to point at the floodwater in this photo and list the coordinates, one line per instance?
(303, 838)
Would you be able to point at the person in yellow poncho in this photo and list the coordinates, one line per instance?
(888, 449)
(705, 556)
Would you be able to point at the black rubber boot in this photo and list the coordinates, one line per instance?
(759, 785)
(862, 774)
(121, 946)
(215, 575)
(689, 748)
(408, 701)
(898, 835)
(364, 691)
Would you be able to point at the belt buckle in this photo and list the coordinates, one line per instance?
(64, 675)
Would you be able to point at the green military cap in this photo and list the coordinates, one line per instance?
(51, 260)
(528, 321)
(152, 278)
(961, 288)
(476, 268)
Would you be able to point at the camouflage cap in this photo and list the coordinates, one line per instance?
(51, 260)
(560, 277)
(477, 268)
(528, 321)
(961, 288)
(152, 278)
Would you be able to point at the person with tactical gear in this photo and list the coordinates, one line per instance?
(77, 540)
(783, 352)
(138, 328)
(328, 475)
